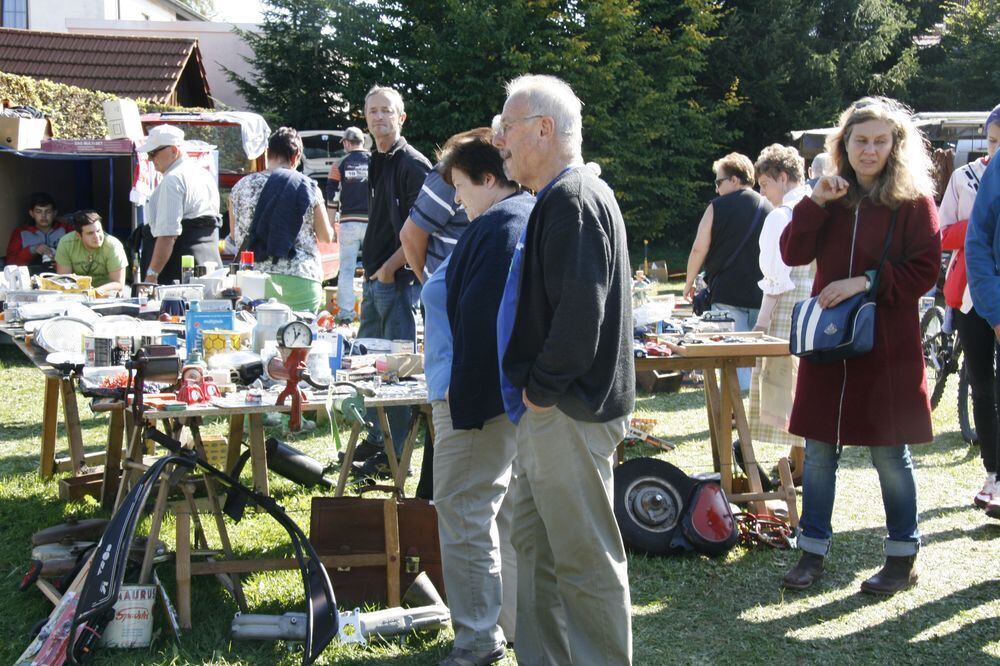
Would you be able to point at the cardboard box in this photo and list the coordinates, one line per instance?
(24, 133)
(122, 117)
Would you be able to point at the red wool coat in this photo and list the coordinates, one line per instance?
(879, 399)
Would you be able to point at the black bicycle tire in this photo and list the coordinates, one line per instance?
(940, 378)
(964, 399)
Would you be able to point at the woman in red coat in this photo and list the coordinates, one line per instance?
(878, 400)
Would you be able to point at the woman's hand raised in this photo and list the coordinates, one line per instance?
(829, 188)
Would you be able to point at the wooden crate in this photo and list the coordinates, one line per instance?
(752, 343)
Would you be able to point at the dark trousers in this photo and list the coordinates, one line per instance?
(980, 345)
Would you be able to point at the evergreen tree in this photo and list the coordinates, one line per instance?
(296, 76)
(961, 73)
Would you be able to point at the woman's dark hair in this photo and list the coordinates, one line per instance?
(284, 143)
(474, 154)
(85, 218)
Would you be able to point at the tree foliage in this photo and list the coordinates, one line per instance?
(962, 71)
(294, 80)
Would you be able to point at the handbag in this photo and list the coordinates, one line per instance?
(846, 330)
(701, 302)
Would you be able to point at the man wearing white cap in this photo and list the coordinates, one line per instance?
(182, 215)
(349, 180)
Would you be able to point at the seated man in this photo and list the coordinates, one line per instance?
(89, 251)
(34, 244)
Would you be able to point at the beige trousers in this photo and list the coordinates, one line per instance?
(472, 470)
(573, 596)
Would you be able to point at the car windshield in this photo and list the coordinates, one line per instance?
(322, 146)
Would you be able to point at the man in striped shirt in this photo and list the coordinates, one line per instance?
(433, 227)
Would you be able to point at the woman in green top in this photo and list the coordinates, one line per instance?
(89, 251)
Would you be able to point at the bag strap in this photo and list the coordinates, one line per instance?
(739, 248)
(885, 252)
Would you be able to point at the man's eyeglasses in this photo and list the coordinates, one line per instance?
(153, 153)
(720, 181)
(501, 126)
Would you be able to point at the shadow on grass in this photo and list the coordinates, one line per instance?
(766, 623)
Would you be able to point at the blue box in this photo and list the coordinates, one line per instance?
(198, 321)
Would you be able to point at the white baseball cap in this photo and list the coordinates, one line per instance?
(160, 136)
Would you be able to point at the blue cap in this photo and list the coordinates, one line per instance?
(994, 117)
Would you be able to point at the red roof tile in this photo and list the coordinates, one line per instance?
(149, 67)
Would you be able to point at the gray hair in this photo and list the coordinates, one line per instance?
(391, 93)
(552, 97)
(821, 165)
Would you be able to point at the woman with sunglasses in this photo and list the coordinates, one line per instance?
(881, 188)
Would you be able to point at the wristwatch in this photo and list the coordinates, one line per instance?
(868, 284)
(150, 271)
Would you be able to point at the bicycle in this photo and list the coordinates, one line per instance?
(942, 357)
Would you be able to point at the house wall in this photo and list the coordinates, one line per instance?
(220, 47)
(52, 15)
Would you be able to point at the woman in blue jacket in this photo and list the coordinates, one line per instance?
(474, 440)
(982, 255)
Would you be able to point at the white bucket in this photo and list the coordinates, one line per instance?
(132, 625)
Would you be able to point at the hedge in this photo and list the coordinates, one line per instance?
(75, 113)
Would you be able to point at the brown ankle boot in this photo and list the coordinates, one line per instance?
(896, 575)
(805, 572)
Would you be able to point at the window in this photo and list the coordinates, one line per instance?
(14, 13)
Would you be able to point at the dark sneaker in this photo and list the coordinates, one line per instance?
(376, 467)
(464, 657)
(363, 451)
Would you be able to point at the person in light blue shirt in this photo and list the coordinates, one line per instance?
(437, 334)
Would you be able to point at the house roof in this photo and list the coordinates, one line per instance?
(148, 67)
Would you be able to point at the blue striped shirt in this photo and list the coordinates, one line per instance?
(435, 212)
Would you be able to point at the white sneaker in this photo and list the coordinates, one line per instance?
(988, 491)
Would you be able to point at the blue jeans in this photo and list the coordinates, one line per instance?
(746, 319)
(899, 497)
(387, 313)
(350, 237)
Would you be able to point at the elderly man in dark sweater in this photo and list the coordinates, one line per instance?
(564, 336)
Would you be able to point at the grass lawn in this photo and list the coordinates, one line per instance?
(685, 609)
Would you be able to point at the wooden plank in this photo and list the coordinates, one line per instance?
(391, 520)
(283, 564)
(74, 433)
(235, 441)
(731, 383)
(183, 571)
(753, 343)
(113, 459)
(387, 443)
(90, 459)
(345, 465)
(258, 454)
(50, 416)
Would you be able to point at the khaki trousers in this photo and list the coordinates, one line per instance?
(573, 595)
(472, 471)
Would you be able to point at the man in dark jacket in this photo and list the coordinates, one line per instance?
(565, 324)
(395, 174)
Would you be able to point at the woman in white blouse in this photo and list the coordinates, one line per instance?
(781, 176)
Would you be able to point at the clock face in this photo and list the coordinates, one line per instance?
(295, 335)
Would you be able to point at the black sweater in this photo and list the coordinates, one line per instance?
(476, 276)
(571, 344)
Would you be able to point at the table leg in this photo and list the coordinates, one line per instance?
(390, 447)
(345, 466)
(399, 478)
(183, 566)
(73, 430)
(724, 433)
(391, 519)
(113, 459)
(258, 453)
(712, 404)
(732, 384)
(235, 441)
(50, 411)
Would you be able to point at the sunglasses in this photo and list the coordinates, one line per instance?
(153, 153)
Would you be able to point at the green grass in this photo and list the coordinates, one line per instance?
(685, 609)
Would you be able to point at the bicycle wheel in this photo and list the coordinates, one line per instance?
(965, 421)
(937, 347)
